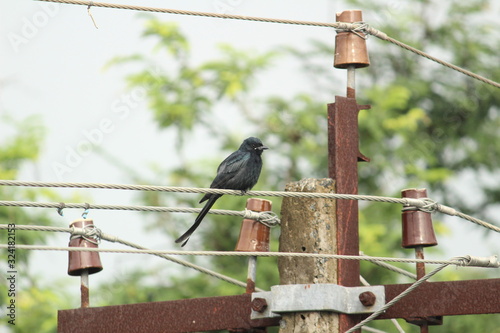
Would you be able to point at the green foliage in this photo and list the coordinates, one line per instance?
(19, 150)
(235, 72)
(23, 146)
(36, 305)
(181, 95)
(441, 123)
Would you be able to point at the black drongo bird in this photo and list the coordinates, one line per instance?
(239, 171)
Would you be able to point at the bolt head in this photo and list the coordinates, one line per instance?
(259, 304)
(367, 298)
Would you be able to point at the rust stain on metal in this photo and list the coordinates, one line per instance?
(343, 151)
(451, 298)
(190, 315)
(250, 286)
(351, 92)
(84, 294)
(218, 313)
(343, 156)
(419, 254)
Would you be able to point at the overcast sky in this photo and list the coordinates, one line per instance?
(52, 60)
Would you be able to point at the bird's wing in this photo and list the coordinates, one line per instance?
(233, 162)
(229, 167)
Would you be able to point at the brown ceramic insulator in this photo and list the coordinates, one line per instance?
(350, 48)
(254, 236)
(79, 261)
(417, 225)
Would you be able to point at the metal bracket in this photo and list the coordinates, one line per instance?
(316, 297)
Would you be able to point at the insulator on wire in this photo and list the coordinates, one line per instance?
(81, 261)
(417, 225)
(350, 46)
(254, 236)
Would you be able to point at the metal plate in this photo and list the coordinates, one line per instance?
(317, 297)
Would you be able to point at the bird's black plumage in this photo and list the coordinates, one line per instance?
(239, 171)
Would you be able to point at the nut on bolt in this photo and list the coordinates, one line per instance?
(367, 298)
(259, 304)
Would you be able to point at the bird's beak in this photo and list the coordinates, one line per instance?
(263, 147)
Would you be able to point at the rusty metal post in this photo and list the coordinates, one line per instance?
(254, 237)
(84, 289)
(343, 152)
(83, 263)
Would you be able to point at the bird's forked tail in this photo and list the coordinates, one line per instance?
(185, 237)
